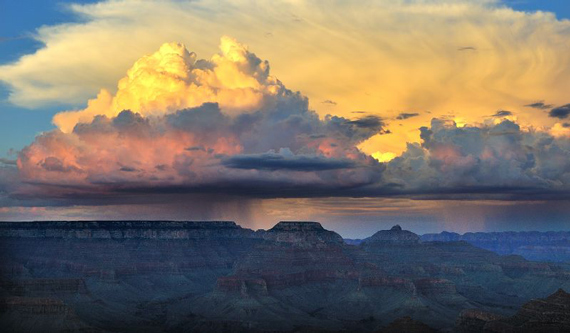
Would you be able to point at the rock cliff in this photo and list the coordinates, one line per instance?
(124, 230)
(212, 276)
(302, 233)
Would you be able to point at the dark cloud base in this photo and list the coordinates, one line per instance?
(273, 161)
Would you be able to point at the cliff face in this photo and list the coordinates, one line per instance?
(112, 249)
(301, 233)
(295, 254)
(212, 276)
(537, 246)
(124, 230)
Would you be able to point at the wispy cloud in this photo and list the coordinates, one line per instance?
(404, 116)
(503, 113)
(540, 106)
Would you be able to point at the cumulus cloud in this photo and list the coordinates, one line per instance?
(172, 79)
(379, 55)
(247, 133)
(176, 123)
(492, 160)
(268, 144)
(287, 151)
(560, 130)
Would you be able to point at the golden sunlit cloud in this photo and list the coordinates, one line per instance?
(461, 59)
(383, 157)
(179, 121)
(171, 79)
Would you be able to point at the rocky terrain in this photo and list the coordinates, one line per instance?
(538, 246)
(296, 276)
(551, 314)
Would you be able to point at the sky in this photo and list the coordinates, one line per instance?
(434, 114)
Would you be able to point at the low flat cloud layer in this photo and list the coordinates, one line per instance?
(286, 160)
(502, 113)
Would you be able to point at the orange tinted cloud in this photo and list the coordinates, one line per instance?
(172, 79)
(275, 146)
(461, 59)
(177, 121)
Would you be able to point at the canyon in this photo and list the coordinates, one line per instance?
(149, 276)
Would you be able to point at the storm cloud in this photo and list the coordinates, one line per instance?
(226, 125)
(273, 141)
(285, 160)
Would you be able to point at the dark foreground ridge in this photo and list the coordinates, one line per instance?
(551, 314)
(133, 276)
